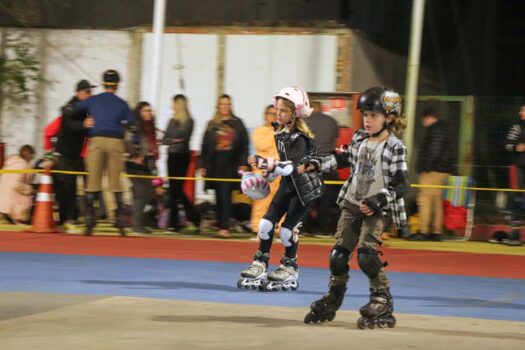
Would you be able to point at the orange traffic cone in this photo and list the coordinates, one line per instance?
(43, 221)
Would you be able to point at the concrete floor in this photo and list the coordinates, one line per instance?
(58, 321)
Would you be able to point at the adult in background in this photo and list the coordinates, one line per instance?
(108, 115)
(264, 145)
(434, 165)
(177, 137)
(515, 143)
(326, 131)
(16, 188)
(224, 152)
(69, 147)
(143, 153)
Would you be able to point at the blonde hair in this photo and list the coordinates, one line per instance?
(183, 115)
(300, 124)
(216, 119)
(398, 124)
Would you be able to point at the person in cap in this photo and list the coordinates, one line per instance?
(108, 115)
(69, 146)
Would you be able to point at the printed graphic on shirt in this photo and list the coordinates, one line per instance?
(225, 138)
(367, 179)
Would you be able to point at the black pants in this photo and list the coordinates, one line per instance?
(284, 202)
(142, 195)
(66, 188)
(518, 202)
(177, 167)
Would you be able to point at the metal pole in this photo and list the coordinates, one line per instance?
(418, 13)
(159, 17)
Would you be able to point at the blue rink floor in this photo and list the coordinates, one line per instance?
(414, 293)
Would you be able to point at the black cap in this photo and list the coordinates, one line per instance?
(84, 85)
(111, 77)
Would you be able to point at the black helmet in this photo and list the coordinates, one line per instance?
(380, 99)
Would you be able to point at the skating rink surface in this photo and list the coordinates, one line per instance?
(62, 291)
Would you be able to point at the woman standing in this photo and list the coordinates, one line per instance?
(143, 153)
(224, 153)
(264, 145)
(177, 136)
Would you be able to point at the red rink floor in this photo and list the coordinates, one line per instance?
(310, 255)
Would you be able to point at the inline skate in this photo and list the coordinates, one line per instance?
(324, 309)
(378, 311)
(283, 278)
(254, 275)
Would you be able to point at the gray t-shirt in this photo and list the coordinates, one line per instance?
(368, 177)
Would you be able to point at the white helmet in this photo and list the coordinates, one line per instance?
(298, 97)
(254, 186)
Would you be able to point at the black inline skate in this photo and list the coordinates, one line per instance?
(378, 311)
(324, 309)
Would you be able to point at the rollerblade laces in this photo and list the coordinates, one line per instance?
(378, 312)
(284, 277)
(324, 309)
(254, 275)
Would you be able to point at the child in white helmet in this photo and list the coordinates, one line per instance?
(373, 191)
(295, 143)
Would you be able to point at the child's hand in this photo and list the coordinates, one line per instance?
(252, 160)
(365, 209)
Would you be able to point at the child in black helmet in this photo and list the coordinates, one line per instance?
(376, 186)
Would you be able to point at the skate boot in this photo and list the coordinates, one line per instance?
(254, 275)
(90, 216)
(514, 234)
(324, 309)
(120, 217)
(284, 277)
(378, 311)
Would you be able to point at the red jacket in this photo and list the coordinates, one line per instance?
(51, 131)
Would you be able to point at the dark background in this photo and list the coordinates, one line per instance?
(473, 47)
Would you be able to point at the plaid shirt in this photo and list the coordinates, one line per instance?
(393, 163)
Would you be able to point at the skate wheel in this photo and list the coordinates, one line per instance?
(253, 286)
(371, 325)
(391, 322)
(285, 288)
(295, 286)
(381, 323)
(362, 323)
(239, 283)
(331, 316)
(308, 318)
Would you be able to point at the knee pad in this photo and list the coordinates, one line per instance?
(265, 228)
(339, 257)
(288, 237)
(369, 262)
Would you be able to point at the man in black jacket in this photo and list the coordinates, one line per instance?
(69, 145)
(434, 165)
(515, 143)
